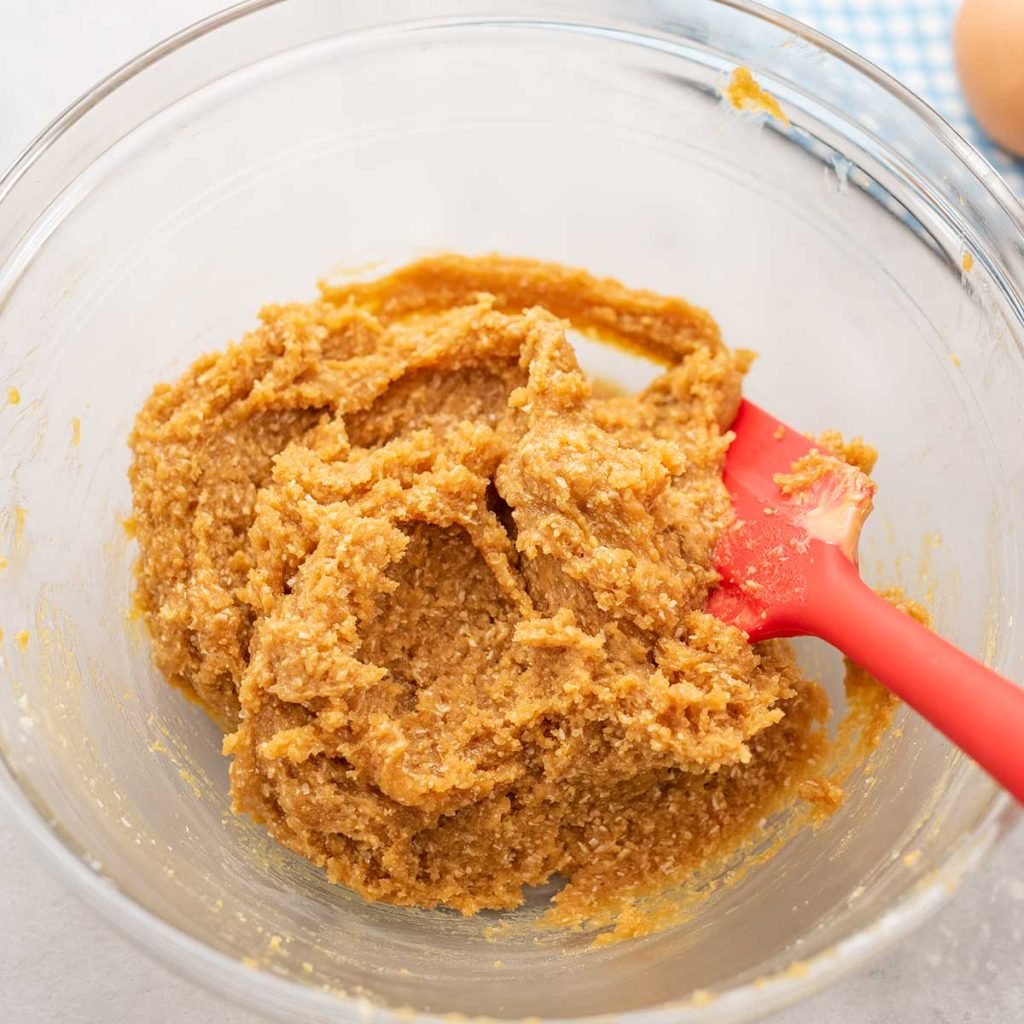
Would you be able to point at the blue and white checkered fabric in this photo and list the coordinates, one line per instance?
(912, 40)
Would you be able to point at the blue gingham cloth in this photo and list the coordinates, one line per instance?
(913, 41)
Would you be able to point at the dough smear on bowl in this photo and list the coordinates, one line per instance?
(447, 602)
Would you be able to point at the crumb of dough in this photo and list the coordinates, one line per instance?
(810, 468)
(21, 638)
(744, 93)
(855, 452)
(806, 472)
(76, 431)
(821, 792)
(967, 262)
(446, 601)
(13, 396)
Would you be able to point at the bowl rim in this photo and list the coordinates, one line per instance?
(227, 977)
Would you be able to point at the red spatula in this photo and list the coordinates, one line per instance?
(789, 568)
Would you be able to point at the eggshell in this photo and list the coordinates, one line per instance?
(989, 45)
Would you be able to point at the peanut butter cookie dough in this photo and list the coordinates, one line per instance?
(448, 603)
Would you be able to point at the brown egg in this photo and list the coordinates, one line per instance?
(989, 45)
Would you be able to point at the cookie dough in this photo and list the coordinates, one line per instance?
(447, 601)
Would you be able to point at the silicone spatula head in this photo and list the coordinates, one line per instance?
(798, 508)
(789, 567)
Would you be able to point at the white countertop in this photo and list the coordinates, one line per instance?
(59, 962)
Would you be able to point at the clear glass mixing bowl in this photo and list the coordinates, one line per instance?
(875, 261)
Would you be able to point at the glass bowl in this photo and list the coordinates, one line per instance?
(870, 256)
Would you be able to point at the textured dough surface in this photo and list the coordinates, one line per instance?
(446, 600)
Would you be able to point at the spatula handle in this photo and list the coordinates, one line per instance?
(976, 708)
